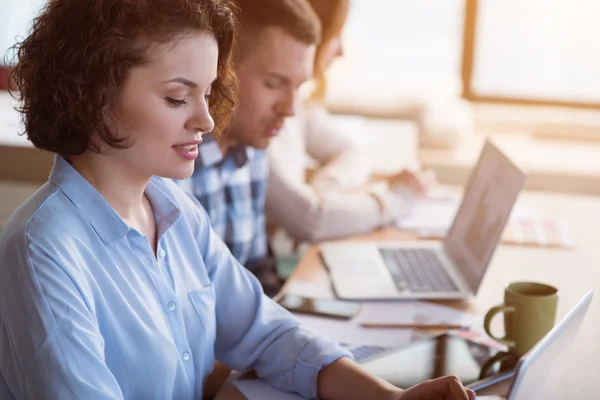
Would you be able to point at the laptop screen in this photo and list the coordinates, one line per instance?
(489, 196)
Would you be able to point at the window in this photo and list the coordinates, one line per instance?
(400, 48)
(541, 52)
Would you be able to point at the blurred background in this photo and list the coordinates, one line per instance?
(426, 82)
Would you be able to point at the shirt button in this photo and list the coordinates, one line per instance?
(172, 306)
(240, 158)
(186, 356)
(161, 253)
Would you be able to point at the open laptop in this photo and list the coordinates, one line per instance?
(539, 370)
(450, 269)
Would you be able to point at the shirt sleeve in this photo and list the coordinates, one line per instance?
(309, 215)
(342, 164)
(255, 332)
(50, 344)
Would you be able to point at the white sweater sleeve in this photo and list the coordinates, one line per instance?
(307, 215)
(342, 165)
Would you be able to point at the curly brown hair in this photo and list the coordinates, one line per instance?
(79, 54)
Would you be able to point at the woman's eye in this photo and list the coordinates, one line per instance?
(175, 102)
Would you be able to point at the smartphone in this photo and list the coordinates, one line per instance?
(324, 307)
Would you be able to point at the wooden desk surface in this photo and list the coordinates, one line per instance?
(572, 271)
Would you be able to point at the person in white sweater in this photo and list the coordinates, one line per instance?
(337, 199)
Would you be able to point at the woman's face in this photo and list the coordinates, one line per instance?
(331, 50)
(163, 108)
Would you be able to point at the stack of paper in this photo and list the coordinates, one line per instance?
(389, 312)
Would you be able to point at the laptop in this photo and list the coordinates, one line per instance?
(538, 372)
(451, 269)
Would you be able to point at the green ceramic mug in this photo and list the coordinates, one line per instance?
(529, 314)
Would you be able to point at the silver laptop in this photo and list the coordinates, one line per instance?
(450, 269)
(538, 372)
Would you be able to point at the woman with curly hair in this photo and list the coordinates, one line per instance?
(112, 283)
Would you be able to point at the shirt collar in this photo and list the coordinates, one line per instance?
(109, 226)
(210, 154)
(165, 211)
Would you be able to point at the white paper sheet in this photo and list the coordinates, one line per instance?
(398, 312)
(434, 215)
(429, 215)
(352, 333)
(318, 289)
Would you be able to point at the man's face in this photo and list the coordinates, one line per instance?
(270, 71)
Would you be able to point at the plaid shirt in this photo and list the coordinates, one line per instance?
(232, 189)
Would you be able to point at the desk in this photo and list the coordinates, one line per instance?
(573, 271)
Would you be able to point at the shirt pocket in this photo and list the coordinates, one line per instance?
(204, 302)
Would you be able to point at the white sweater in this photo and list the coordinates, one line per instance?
(336, 201)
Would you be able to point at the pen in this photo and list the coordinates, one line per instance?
(416, 326)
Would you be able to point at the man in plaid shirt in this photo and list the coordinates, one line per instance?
(232, 190)
(274, 57)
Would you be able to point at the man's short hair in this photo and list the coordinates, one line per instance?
(296, 17)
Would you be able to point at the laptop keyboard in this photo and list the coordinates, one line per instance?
(417, 270)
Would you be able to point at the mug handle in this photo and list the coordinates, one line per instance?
(488, 320)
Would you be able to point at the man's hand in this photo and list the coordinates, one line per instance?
(445, 388)
(418, 181)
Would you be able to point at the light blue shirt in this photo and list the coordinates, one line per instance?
(87, 311)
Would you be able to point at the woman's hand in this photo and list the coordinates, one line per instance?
(445, 388)
(345, 380)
